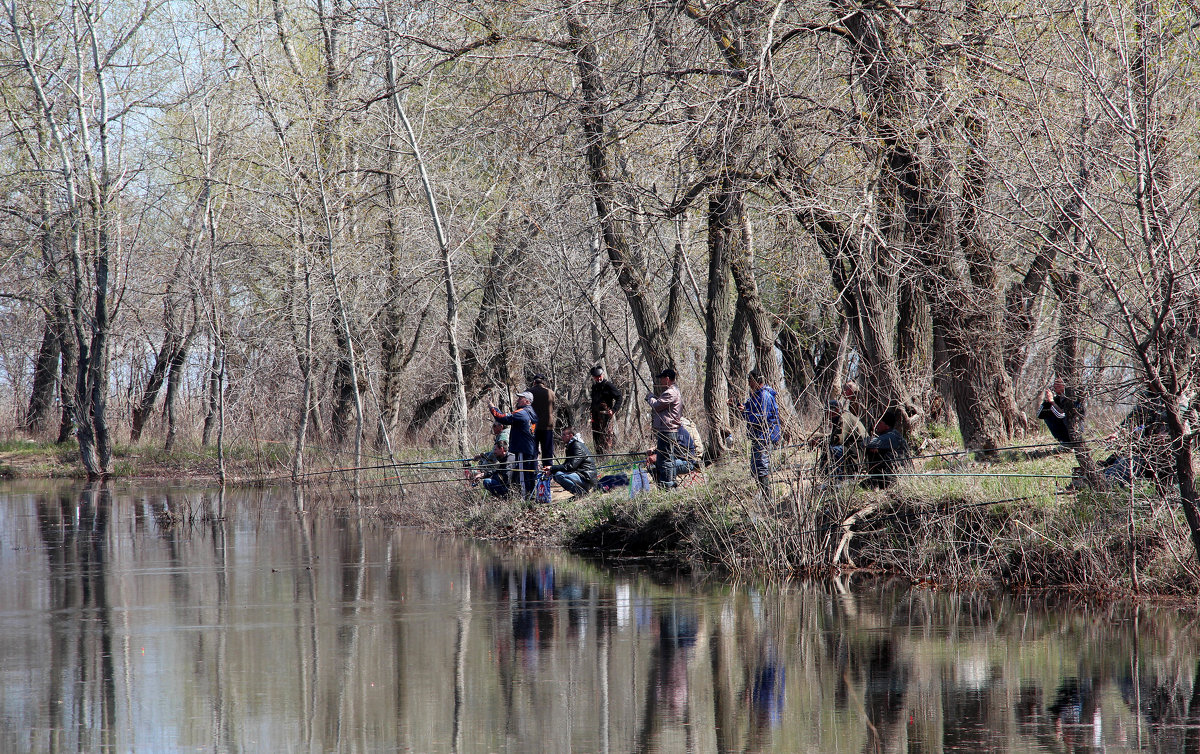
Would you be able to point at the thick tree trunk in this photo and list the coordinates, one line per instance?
(158, 374)
(723, 228)
(45, 377)
(597, 144)
(1068, 367)
(762, 331)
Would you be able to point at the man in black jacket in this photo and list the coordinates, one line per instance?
(606, 401)
(888, 453)
(577, 473)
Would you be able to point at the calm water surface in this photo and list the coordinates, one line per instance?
(150, 619)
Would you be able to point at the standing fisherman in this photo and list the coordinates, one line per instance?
(543, 406)
(606, 402)
(521, 443)
(667, 408)
(761, 413)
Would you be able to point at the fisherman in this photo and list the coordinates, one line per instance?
(846, 444)
(577, 473)
(691, 452)
(494, 470)
(543, 406)
(761, 412)
(887, 453)
(606, 402)
(1055, 405)
(521, 441)
(667, 410)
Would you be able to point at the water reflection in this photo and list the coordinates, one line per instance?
(168, 619)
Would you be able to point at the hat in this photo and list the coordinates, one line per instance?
(597, 371)
(669, 373)
(834, 404)
(526, 395)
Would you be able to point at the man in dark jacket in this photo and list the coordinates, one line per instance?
(520, 442)
(887, 453)
(606, 402)
(577, 473)
(1054, 411)
(543, 406)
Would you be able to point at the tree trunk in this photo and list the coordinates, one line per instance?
(597, 144)
(45, 377)
(158, 375)
(1067, 365)
(722, 230)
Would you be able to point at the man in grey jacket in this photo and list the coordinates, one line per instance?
(667, 412)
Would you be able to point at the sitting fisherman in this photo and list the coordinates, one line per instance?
(577, 473)
(521, 441)
(494, 470)
(689, 451)
(887, 453)
(846, 445)
(1054, 411)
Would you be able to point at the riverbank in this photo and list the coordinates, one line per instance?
(1009, 523)
(29, 459)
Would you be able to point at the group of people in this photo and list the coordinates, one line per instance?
(525, 439)
(850, 451)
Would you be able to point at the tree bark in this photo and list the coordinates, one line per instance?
(723, 228)
(597, 146)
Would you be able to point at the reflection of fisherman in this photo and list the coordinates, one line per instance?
(846, 445)
(888, 453)
(606, 402)
(494, 470)
(521, 441)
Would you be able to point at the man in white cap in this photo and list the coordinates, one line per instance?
(520, 441)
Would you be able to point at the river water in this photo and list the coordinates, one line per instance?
(154, 619)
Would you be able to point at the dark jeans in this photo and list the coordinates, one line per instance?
(760, 464)
(666, 443)
(525, 474)
(545, 442)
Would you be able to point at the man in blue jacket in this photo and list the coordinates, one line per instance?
(761, 412)
(521, 442)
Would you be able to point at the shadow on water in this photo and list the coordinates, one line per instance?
(252, 620)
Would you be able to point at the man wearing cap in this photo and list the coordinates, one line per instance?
(666, 412)
(521, 443)
(606, 401)
(543, 406)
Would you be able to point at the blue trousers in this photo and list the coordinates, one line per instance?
(569, 481)
(760, 464)
(666, 444)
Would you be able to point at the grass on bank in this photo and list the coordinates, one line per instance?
(1008, 522)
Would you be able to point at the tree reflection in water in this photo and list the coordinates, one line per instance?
(267, 620)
